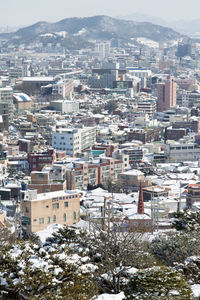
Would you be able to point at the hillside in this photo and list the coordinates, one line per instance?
(78, 32)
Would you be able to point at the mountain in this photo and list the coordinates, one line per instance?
(182, 26)
(138, 17)
(75, 33)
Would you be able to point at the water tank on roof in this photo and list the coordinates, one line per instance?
(24, 186)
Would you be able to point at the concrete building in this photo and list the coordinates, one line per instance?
(43, 183)
(63, 88)
(193, 195)
(22, 102)
(6, 105)
(103, 50)
(147, 106)
(144, 74)
(166, 94)
(182, 151)
(37, 161)
(64, 106)
(131, 179)
(73, 140)
(33, 85)
(82, 174)
(40, 211)
(134, 154)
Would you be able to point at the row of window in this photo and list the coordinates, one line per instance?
(182, 148)
(56, 205)
(64, 198)
(41, 220)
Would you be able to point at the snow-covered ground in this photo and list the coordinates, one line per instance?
(119, 296)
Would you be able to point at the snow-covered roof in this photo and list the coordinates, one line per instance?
(21, 97)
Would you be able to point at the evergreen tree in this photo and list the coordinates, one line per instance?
(176, 248)
(158, 283)
(50, 271)
(188, 220)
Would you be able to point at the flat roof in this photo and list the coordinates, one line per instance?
(50, 195)
(38, 79)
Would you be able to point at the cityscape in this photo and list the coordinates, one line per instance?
(100, 160)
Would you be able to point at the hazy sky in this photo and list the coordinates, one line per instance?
(24, 12)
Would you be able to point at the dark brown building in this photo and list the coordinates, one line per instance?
(37, 161)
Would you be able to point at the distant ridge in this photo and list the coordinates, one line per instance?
(76, 33)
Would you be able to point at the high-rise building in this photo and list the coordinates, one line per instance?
(6, 105)
(166, 94)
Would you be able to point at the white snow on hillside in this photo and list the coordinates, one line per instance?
(80, 32)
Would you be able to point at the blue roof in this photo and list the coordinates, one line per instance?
(23, 98)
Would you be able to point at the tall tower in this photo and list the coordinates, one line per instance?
(166, 94)
(140, 209)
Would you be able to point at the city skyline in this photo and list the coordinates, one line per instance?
(15, 13)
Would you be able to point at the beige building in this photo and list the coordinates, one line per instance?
(83, 174)
(133, 178)
(42, 210)
(43, 183)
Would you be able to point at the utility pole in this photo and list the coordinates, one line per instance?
(18, 218)
(152, 210)
(108, 217)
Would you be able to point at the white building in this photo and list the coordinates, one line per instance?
(73, 140)
(147, 106)
(64, 88)
(143, 74)
(64, 106)
(103, 49)
(179, 152)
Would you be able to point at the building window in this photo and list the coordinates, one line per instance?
(74, 215)
(48, 220)
(66, 204)
(27, 210)
(41, 220)
(54, 218)
(64, 217)
(55, 205)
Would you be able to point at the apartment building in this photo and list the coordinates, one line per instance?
(147, 106)
(42, 210)
(73, 140)
(134, 154)
(38, 160)
(63, 88)
(166, 94)
(82, 174)
(6, 106)
(182, 151)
